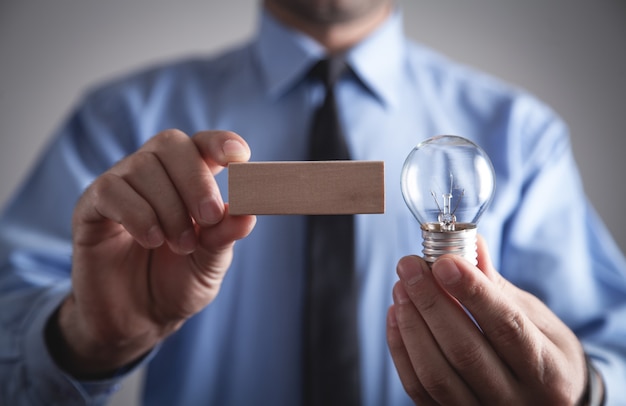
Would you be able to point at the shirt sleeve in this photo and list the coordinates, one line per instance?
(35, 257)
(555, 246)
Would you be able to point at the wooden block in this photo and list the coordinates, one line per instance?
(308, 187)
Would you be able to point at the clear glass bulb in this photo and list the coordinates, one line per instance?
(447, 183)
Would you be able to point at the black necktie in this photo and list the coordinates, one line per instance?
(331, 342)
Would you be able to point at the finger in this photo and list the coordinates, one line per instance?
(461, 342)
(230, 229)
(215, 248)
(191, 175)
(542, 317)
(429, 361)
(522, 298)
(219, 148)
(214, 254)
(144, 172)
(402, 361)
(110, 202)
(511, 333)
(484, 260)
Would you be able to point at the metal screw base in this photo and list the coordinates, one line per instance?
(460, 242)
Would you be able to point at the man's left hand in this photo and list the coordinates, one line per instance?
(514, 351)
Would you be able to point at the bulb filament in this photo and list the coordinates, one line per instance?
(446, 217)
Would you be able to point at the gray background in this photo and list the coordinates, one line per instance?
(571, 53)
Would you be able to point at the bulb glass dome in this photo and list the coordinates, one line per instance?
(447, 183)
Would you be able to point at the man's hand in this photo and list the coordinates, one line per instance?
(152, 242)
(521, 353)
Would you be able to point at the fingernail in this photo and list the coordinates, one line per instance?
(410, 270)
(155, 236)
(391, 317)
(399, 294)
(234, 149)
(187, 241)
(211, 210)
(446, 271)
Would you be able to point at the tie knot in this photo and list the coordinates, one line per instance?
(329, 70)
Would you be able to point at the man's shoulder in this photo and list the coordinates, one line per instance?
(442, 71)
(455, 83)
(174, 74)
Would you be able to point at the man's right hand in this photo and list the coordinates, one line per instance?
(152, 242)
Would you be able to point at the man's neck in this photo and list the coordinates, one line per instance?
(335, 37)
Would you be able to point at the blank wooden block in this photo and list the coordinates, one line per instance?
(309, 187)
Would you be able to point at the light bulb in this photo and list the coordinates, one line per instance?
(447, 183)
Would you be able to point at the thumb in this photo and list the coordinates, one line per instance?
(484, 260)
(529, 304)
(214, 252)
(485, 265)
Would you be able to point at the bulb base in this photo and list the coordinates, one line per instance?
(461, 241)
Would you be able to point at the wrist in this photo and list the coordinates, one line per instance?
(88, 356)
(594, 391)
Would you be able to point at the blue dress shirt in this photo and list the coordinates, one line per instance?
(245, 347)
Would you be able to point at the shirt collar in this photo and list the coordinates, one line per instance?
(286, 55)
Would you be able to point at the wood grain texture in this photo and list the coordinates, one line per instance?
(308, 187)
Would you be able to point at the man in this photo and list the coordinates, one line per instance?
(151, 239)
